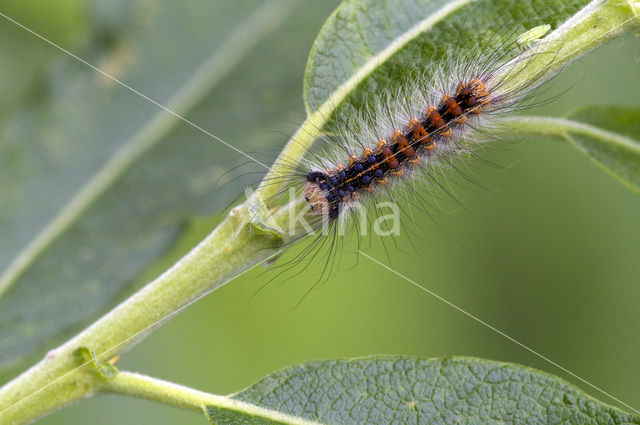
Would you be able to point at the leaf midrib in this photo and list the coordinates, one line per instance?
(374, 62)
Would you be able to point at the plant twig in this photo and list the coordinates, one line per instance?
(136, 385)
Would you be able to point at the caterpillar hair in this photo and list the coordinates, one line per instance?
(402, 137)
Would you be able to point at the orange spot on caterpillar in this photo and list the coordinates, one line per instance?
(388, 155)
(418, 132)
(481, 93)
(453, 108)
(479, 89)
(438, 123)
(403, 144)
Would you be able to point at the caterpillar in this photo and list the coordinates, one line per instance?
(328, 191)
(419, 130)
(377, 152)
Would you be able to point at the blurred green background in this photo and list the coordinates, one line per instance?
(550, 254)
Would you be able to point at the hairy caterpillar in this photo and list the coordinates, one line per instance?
(435, 121)
(422, 137)
(383, 150)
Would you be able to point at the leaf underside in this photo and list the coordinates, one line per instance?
(54, 144)
(400, 390)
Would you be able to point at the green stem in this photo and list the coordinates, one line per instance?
(560, 127)
(598, 22)
(238, 243)
(136, 385)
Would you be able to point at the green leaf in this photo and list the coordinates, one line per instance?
(400, 390)
(611, 138)
(371, 46)
(608, 135)
(97, 183)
